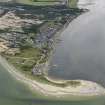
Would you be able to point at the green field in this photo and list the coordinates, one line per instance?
(72, 3)
(37, 3)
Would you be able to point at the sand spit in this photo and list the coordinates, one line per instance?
(86, 88)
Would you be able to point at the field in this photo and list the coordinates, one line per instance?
(72, 3)
(35, 3)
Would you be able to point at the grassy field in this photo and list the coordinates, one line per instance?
(42, 2)
(72, 3)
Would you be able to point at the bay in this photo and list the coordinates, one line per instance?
(81, 53)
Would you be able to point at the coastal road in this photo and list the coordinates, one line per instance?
(81, 54)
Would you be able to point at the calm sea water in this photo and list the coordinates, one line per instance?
(81, 53)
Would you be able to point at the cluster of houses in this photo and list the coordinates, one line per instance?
(3, 45)
(13, 28)
(46, 33)
(10, 20)
(38, 69)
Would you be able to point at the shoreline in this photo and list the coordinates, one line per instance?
(87, 88)
(55, 39)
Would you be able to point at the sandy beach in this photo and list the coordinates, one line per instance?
(86, 88)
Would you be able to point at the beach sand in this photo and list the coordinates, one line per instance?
(87, 88)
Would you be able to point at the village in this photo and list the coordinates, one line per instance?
(27, 32)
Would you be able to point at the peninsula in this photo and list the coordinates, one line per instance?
(27, 38)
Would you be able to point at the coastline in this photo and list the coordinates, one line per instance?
(56, 38)
(86, 88)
